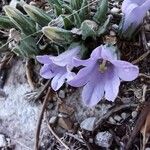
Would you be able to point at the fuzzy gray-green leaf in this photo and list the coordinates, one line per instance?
(38, 15)
(6, 23)
(58, 10)
(58, 35)
(67, 21)
(56, 2)
(26, 48)
(77, 20)
(76, 4)
(100, 15)
(88, 29)
(84, 12)
(26, 25)
(102, 29)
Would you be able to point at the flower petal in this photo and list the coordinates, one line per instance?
(82, 76)
(112, 83)
(45, 59)
(125, 70)
(92, 93)
(66, 57)
(46, 72)
(78, 62)
(58, 81)
(96, 53)
(130, 3)
(126, 4)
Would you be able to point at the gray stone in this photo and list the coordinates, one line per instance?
(53, 120)
(117, 118)
(88, 124)
(61, 94)
(3, 142)
(124, 115)
(111, 120)
(134, 114)
(104, 139)
(115, 10)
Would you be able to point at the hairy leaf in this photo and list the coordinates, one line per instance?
(38, 15)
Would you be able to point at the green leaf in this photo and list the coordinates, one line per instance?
(26, 47)
(88, 29)
(58, 35)
(67, 21)
(56, 2)
(100, 15)
(68, 9)
(84, 12)
(76, 4)
(57, 10)
(38, 15)
(6, 23)
(77, 20)
(103, 28)
(26, 25)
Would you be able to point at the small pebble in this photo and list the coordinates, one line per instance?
(104, 139)
(134, 114)
(117, 118)
(53, 120)
(124, 115)
(148, 44)
(115, 26)
(88, 124)
(112, 33)
(115, 10)
(111, 120)
(61, 94)
(90, 140)
(62, 115)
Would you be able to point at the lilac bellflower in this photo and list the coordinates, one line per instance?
(102, 74)
(58, 67)
(134, 12)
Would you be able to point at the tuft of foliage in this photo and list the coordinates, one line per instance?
(57, 24)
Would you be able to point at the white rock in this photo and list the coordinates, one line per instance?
(3, 142)
(115, 10)
(124, 115)
(61, 94)
(117, 118)
(53, 120)
(134, 114)
(148, 148)
(104, 139)
(111, 120)
(88, 124)
(112, 33)
(115, 26)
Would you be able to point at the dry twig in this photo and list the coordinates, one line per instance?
(42, 91)
(56, 136)
(141, 57)
(139, 124)
(40, 120)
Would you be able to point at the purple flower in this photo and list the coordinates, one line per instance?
(58, 67)
(134, 12)
(102, 74)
